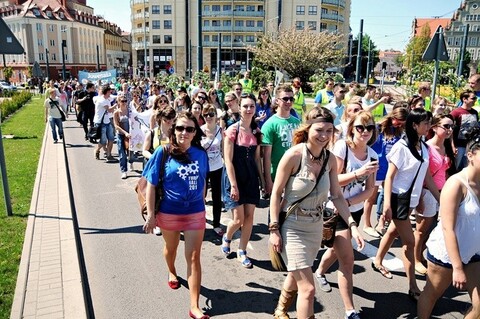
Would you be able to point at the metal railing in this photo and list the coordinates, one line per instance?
(340, 3)
(333, 17)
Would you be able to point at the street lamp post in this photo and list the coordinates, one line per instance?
(48, 65)
(64, 72)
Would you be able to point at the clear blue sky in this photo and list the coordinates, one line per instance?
(388, 22)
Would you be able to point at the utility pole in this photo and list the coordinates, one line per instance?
(219, 58)
(144, 40)
(368, 60)
(359, 53)
(411, 66)
(199, 35)
(462, 51)
(64, 73)
(98, 59)
(48, 65)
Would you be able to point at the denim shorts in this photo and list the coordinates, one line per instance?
(474, 259)
(107, 133)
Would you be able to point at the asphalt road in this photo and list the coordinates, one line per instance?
(128, 276)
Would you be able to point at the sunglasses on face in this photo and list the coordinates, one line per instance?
(446, 126)
(287, 99)
(124, 101)
(202, 97)
(210, 114)
(163, 101)
(189, 129)
(361, 128)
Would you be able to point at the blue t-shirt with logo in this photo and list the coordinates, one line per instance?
(183, 183)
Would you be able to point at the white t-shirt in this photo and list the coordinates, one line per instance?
(353, 163)
(407, 166)
(151, 100)
(100, 104)
(213, 148)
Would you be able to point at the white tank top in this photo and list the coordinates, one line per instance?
(467, 228)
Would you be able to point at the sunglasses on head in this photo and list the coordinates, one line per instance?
(189, 129)
(209, 114)
(361, 128)
(287, 99)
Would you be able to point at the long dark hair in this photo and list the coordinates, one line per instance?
(411, 136)
(253, 124)
(447, 143)
(174, 149)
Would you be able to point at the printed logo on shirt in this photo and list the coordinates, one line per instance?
(189, 171)
(286, 134)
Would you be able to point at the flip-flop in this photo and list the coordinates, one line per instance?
(382, 270)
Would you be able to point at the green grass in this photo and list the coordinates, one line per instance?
(21, 156)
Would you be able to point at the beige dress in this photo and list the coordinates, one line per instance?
(302, 230)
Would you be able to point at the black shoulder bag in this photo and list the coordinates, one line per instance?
(63, 116)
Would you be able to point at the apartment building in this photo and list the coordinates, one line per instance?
(48, 28)
(183, 37)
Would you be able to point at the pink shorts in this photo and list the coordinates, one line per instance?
(195, 221)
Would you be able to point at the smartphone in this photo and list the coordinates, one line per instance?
(373, 159)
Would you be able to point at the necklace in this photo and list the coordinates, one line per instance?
(312, 157)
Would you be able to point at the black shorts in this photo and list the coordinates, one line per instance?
(342, 225)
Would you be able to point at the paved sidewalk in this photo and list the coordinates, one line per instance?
(49, 282)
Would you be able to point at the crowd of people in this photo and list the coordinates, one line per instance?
(417, 163)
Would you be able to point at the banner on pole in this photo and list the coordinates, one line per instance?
(109, 76)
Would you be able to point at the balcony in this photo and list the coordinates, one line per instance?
(336, 3)
(134, 2)
(230, 29)
(227, 44)
(140, 16)
(332, 17)
(233, 13)
(140, 45)
(140, 30)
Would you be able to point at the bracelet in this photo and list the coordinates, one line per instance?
(273, 226)
(352, 224)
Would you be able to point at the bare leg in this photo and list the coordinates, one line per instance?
(367, 210)
(236, 222)
(171, 238)
(385, 244)
(405, 232)
(329, 257)
(473, 286)
(247, 226)
(193, 247)
(438, 280)
(421, 235)
(306, 292)
(344, 251)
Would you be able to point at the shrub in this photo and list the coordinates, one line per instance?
(10, 106)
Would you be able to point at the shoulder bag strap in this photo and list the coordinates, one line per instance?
(56, 104)
(418, 170)
(162, 165)
(213, 140)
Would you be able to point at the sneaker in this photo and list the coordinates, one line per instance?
(124, 175)
(322, 281)
(110, 159)
(353, 315)
(157, 231)
(130, 167)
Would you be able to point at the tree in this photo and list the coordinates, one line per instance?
(299, 53)
(416, 47)
(8, 73)
(374, 59)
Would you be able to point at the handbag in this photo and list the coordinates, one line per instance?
(141, 187)
(95, 131)
(275, 257)
(63, 116)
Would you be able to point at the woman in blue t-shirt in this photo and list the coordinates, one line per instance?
(183, 205)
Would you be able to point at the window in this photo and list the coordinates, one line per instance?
(215, 8)
(260, 24)
(54, 57)
(239, 23)
(167, 24)
(40, 42)
(473, 41)
(50, 27)
(167, 39)
(39, 27)
(335, 12)
(206, 8)
(61, 15)
(300, 25)
(449, 41)
(249, 38)
(36, 12)
(227, 38)
(41, 56)
(250, 23)
(156, 24)
(156, 39)
(215, 38)
(227, 23)
(206, 38)
(167, 9)
(239, 8)
(206, 23)
(300, 10)
(139, 25)
(155, 9)
(227, 7)
(52, 43)
(250, 8)
(49, 14)
(312, 25)
(238, 38)
(324, 11)
(323, 26)
(215, 23)
(260, 8)
(457, 41)
(312, 10)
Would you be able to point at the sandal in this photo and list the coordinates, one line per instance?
(242, 257)
(382, 270)
(226, 245)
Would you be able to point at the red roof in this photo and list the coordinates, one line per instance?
(432, 22)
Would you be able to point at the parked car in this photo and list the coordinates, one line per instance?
(5, 86)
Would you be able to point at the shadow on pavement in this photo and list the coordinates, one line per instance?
(124, 230)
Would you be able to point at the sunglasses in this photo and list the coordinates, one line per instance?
(163, 101)
(361, 128)
(228, 101)
(213, 93)
(210, 114)
(446, 126)
(238, 89)
(202, 97)
(189, 129)
(287, 99)
(123, 101)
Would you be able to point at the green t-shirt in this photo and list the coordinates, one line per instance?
(278, 133)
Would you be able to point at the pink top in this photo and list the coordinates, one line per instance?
(438, 166)
(243, 139)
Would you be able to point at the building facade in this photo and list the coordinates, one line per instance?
(179, 36)
(48, 28)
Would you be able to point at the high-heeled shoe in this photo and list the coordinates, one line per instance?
(190, 313)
